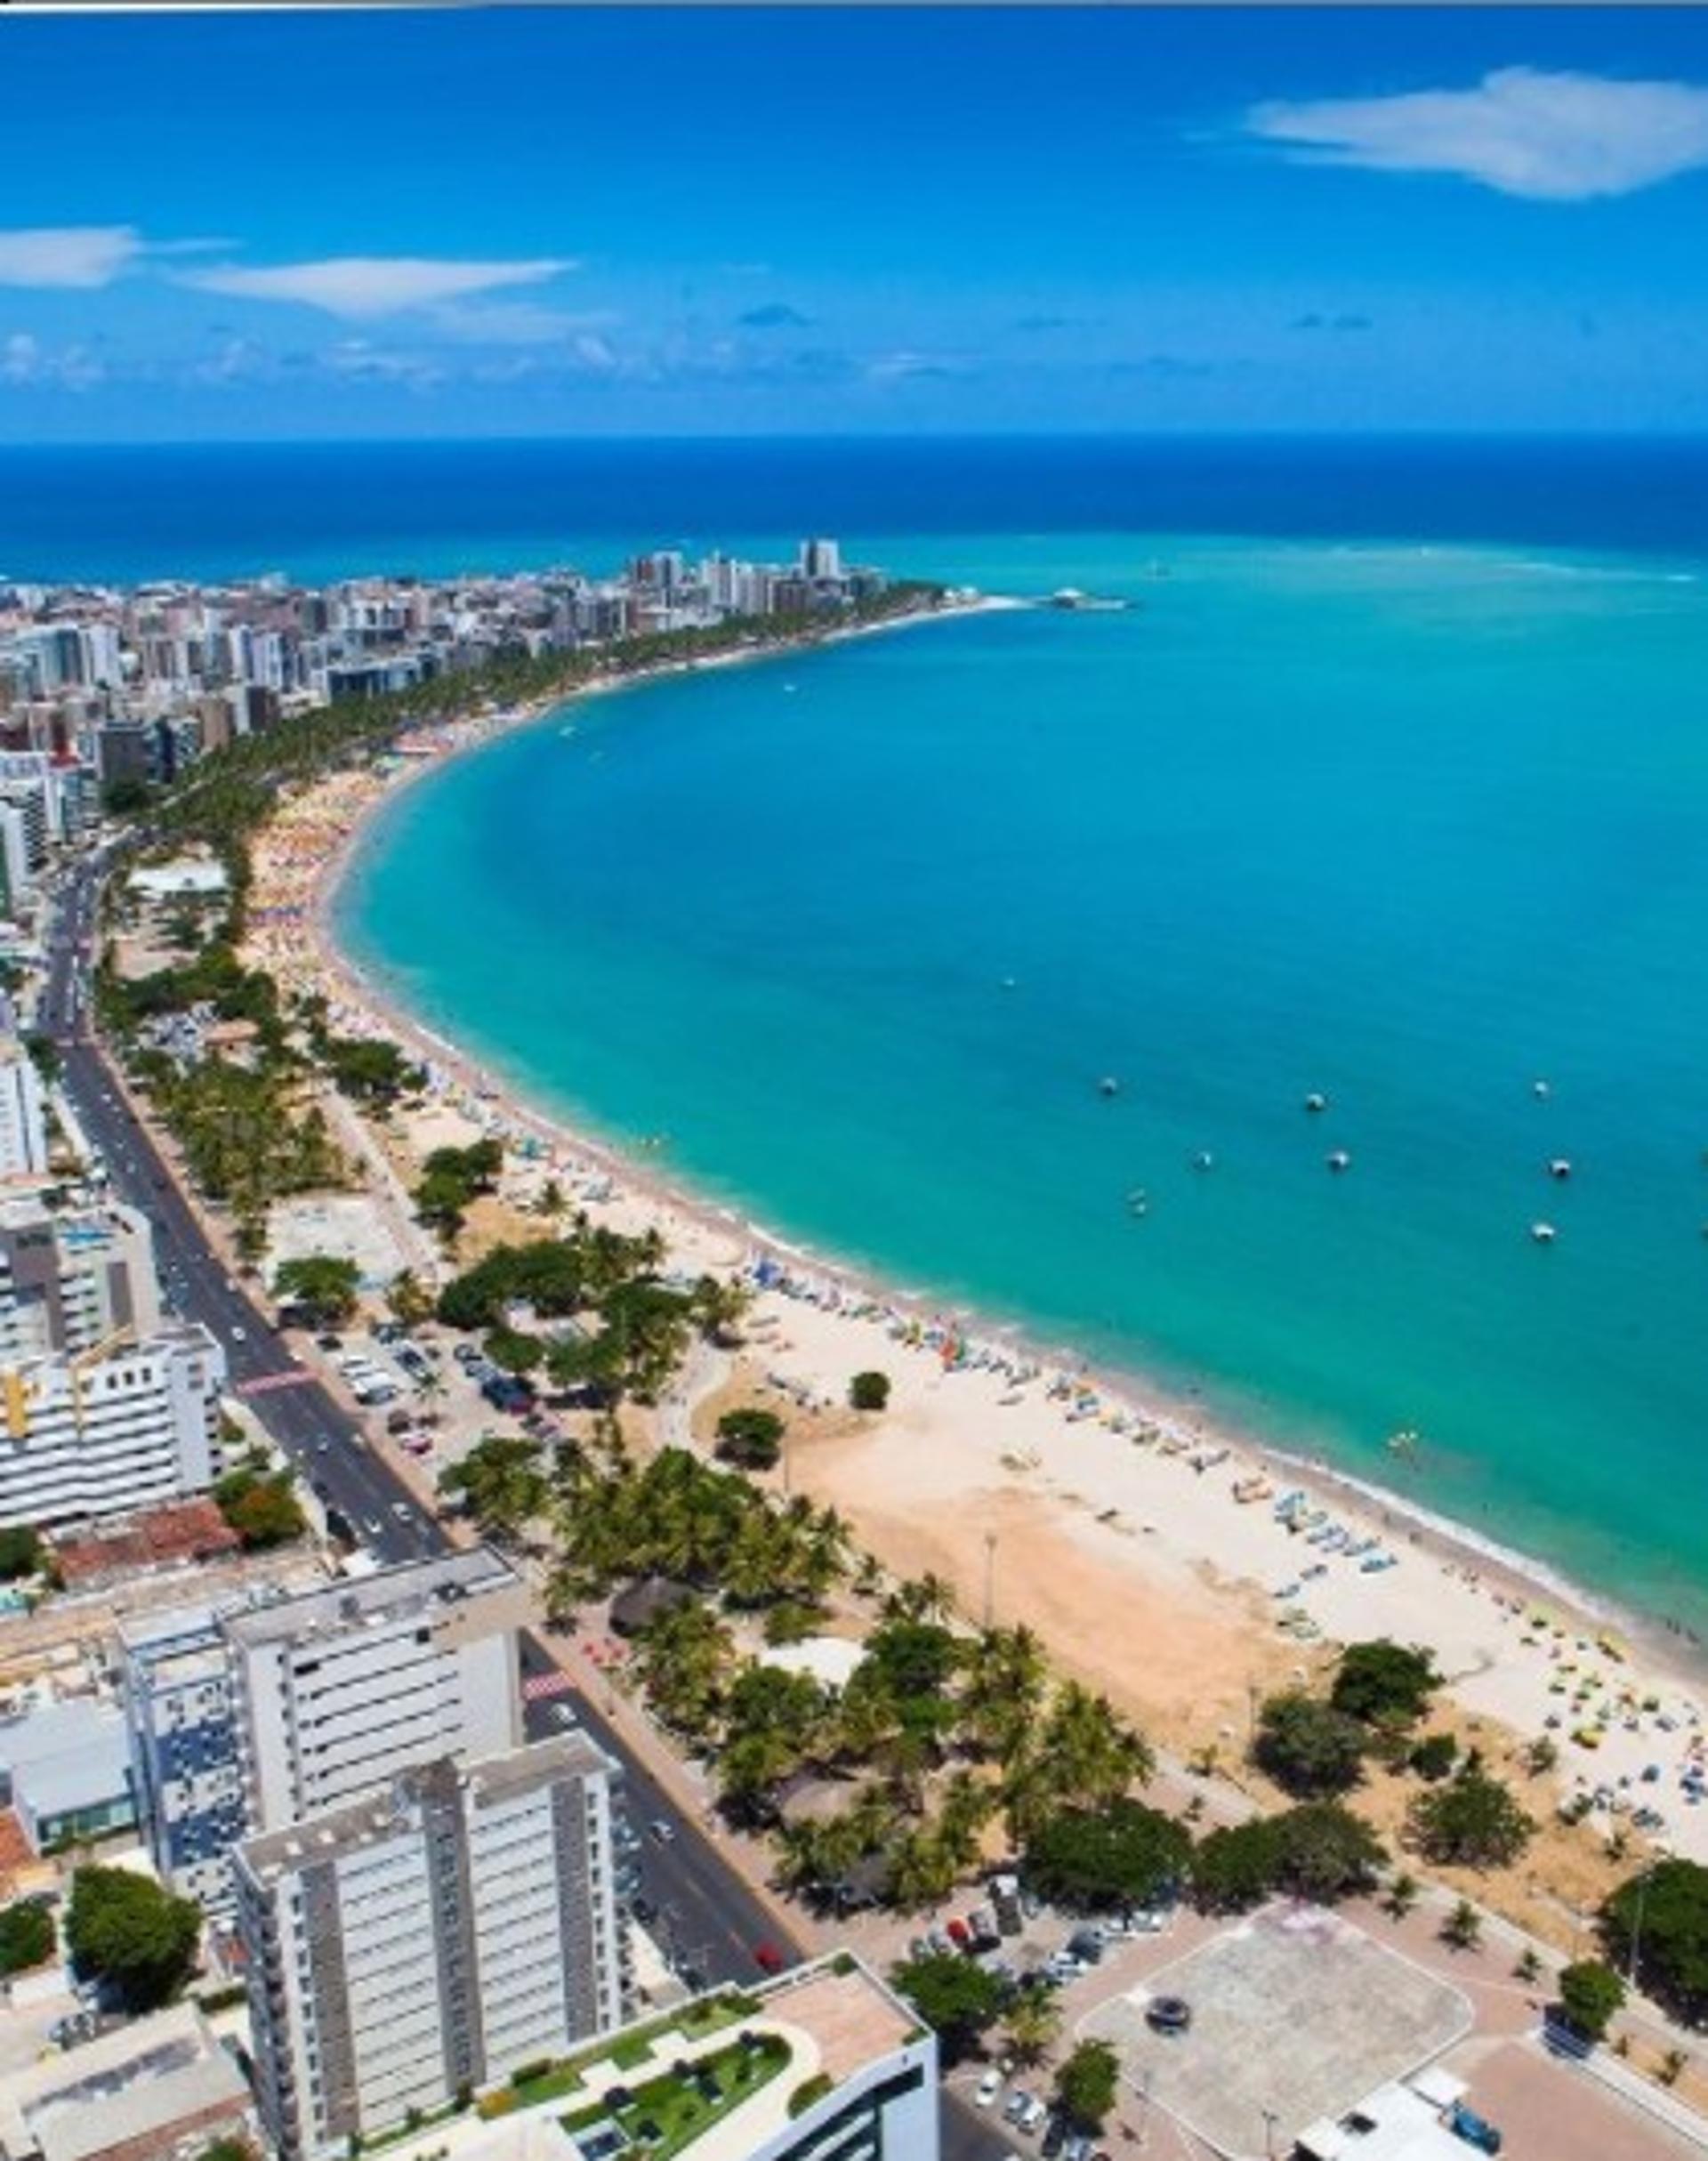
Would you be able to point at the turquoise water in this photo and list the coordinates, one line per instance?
(1412, 827)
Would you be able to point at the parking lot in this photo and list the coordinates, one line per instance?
(1293, 2012)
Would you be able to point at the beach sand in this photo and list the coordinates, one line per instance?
(1093, 1509)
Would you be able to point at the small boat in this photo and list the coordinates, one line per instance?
(1138, 1202)
(1315, 1101)
(1542, 1090)
(1545, 1234)
(1339, 1159)
(1204, 1160)
(1109, 1085)
(1560, 1167)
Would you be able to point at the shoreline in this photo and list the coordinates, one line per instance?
(1487, 1579)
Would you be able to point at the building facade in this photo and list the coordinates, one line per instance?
(109, 1433)
(247, 1717)
(23, 1115)
(428, 1939)
(72, 1279)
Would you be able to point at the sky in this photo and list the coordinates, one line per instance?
(620, 222)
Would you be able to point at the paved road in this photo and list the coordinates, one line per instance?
(710, 1920)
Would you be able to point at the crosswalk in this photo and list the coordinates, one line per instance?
(538, 1686)
(268, 1384)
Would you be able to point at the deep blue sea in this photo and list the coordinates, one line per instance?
(1393, 786)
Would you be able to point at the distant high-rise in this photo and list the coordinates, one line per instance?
(428, 1938)
(821, 558)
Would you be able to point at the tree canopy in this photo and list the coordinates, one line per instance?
(1472, 1819)
(125, 1933)
(20, 1552)
(869, 1391)
(1087, 2083)
(1591, 1995)
(1308, 1747)
(260, 1504)
(500, 1482)
(751, 1438)
(1667, 1908)
(27, 1936)
(957, 1999)
(323, 1286)
(1383, 1683)
(1124, 1854)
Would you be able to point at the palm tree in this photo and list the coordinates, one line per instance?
(1031, 2025)
(1462, 1930)
(1006, 1678)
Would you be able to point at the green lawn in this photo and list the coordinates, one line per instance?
(628, 2052)
(675, 2108)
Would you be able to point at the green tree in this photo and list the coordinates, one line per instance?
(500, 1482)
(1383, 1683)
(1434, 1756)
(1463, 1929)
(20, 1552)
(27, 1936)
(324, 1286)
(131, 1936)
(1006, 1684)
(1473, 1821)
(1087, 2083)
(1124, 1854)
(958, 2000)
(516, 1351)
(259, 1504)
(1660, 1918)
(1325, 1852)
(749, 1439)
(1401, 1896)
(1309, 1748)
(1234, 1866)
(411, 1302)
(1591, 1995)
(869, 1391)
(123, 797)
(1031, 2025)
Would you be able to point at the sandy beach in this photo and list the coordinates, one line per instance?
(1185, 1570)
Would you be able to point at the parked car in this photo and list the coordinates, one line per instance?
(770, 1958)
(988, 2087)
(1035, 2115)
(1169, 2014)
(1018, 2102)
(959, 1934)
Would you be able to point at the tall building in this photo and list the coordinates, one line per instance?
(429, 1939)
(821, 558)
(110, 1430)
(23, 1115)
(72, 1279)
(340, 1689)
(246, 1717)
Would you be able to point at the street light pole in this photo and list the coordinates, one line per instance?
(990, 1580)
(1270, 2119)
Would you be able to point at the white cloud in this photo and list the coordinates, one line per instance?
(82, 256)
(26, 362)
(516, 322)
(1551, 138)
(362, 286)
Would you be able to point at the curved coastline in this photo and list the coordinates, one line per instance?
(1178, 1403)
(1514, 1578)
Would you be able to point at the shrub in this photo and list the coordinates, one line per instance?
(869, 1391)
(1434, 1756)
(1383, 1683)
(809, 2091)
(1591, 1993)
(27, 1936)
(749, 1439)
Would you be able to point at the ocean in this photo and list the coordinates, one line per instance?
(1390, 787)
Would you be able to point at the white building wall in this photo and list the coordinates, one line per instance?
(23, 1115)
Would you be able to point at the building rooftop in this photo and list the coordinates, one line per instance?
(378, 1815)
(354, 1602)
(137, 2084)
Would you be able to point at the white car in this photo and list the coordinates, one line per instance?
(989, 2086)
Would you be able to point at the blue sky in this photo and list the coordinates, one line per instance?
(714, 222)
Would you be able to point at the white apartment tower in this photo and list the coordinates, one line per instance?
(23, 1115)
(72, 1280)
(247, 1717)
(338, 1690)
(429, 1939)
(104, 1434)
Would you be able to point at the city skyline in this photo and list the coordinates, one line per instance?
(724, 222)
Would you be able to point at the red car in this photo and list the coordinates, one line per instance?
(959, 1934)
(769, 1957)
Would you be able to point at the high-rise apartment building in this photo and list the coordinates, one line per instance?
(247, 1716)
(72, 1279)
(429, 1939)
(23, 1115)
(109, 1432)
(337, 1690)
